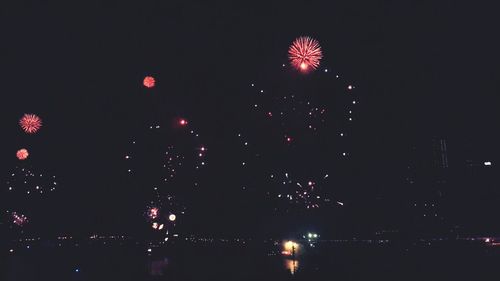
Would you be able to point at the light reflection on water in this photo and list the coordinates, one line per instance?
(159, 266)
(292, 265)
(186, 263)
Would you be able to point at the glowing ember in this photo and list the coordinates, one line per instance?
(183, 122)
(153, 213)
(30, 123)
(305, 54)
(172, 217)
(22, 154)
(19, 219)
(149, 82)
(26, 180)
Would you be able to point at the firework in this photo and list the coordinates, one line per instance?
(167, 159)
(297, 107)
(30, 123)
(153, 213)
(22, 154)
(183, 122)
(161, 216)
(157, 226)
(18, 219)
(24, 191)
(305, 54)
(149, 82)
(308, 124)
(172, 217)
(164, 154)
(27, 181)
(290, 192)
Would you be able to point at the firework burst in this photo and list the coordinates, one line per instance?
(30, 123)
(18, 219)
(305, 54)
(166, 159)
(149, 82)
(22, 154)
(152, 213)
(309, 125)
(166, 153)
(307, 108)
(24, 190)
(293, 193)
(161, 214)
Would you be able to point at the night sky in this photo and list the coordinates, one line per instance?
(421, 71)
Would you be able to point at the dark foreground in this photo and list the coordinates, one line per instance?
(249, 261)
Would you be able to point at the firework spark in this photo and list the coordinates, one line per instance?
(299, 114)
(172, 151)
(305, 54)
(183, 122)
(30, 123)
(168, 158)
(301, 194)
(24, 180)
(149, 82)
(172, 217)
(18, 219)
(301, 109)
(22, 154)
(161, 216)
(153, 213)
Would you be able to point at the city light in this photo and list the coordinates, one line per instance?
(311, 235)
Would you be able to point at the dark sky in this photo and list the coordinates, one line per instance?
(424, 70)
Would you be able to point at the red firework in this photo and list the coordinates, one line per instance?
(30, 123)
(305, 54)
(183, 122)
(22, 154)
(149, 82)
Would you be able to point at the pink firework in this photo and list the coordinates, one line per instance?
(19, 219)
(305, 54)
(22, 154)
(153, 213)
(149, 82)
(30, 123)
(183, 122)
